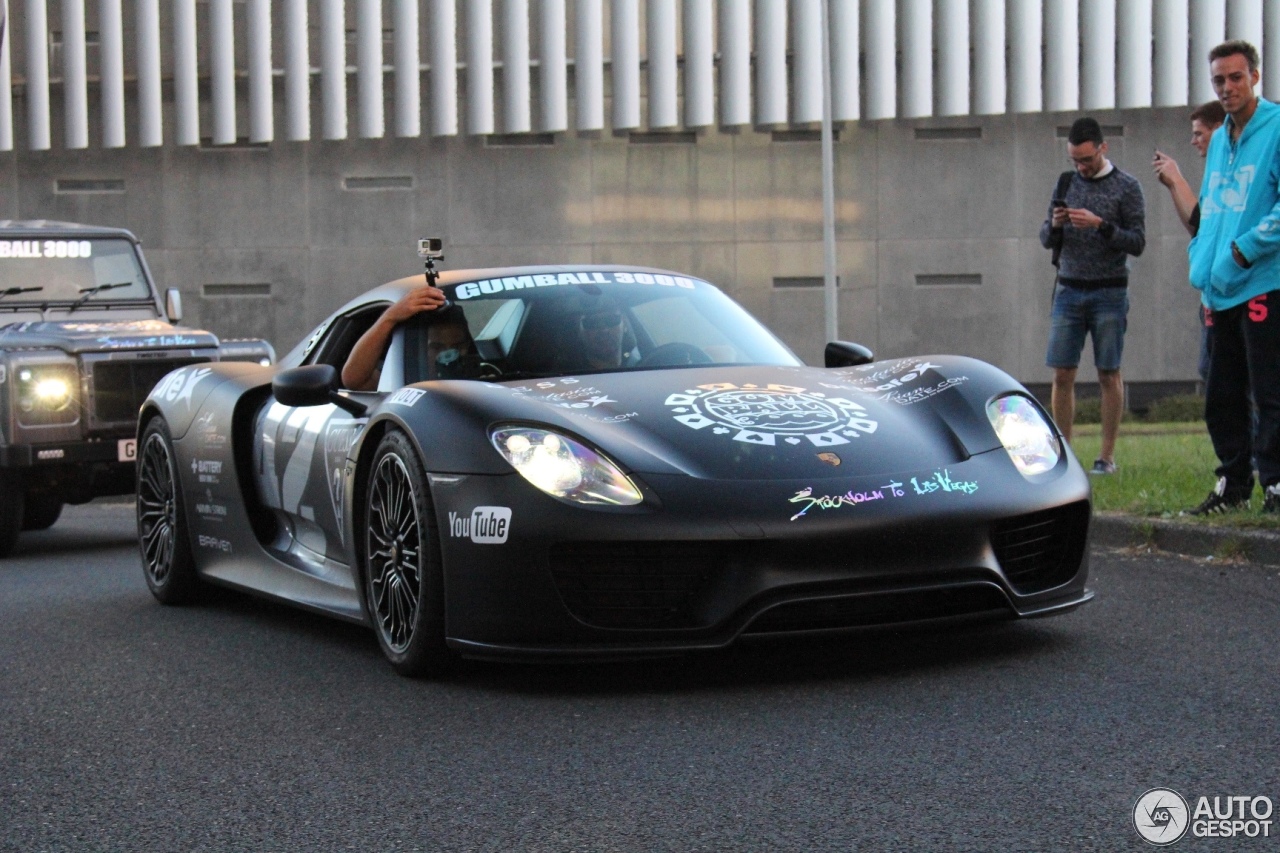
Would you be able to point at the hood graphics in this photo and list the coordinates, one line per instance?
(760, 414)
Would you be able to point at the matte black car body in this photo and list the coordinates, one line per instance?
(78, 306)
(776, 497)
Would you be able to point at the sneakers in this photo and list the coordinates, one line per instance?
(1102, 466)
(1225, 499)
(1271, 498)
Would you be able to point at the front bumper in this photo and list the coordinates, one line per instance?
(105, 449)
(713, 561)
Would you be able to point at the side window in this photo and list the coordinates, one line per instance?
(341, 336)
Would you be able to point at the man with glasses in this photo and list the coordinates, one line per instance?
(601, 334)
(1096, 220)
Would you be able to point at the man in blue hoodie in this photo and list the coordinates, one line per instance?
(1235, 264)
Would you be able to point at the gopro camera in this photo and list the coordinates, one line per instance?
(431, 248)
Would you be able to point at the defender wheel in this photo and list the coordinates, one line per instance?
(404, 587)
(40, 511)
(162, 523)
(11, 501)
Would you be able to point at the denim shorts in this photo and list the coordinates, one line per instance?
(1102, 313)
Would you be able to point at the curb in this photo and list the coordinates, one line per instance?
(1114, 530)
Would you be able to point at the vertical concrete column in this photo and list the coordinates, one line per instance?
(111, 65)
(516, 111)
(625, 63)
(333, 68)
(1133, 53)
(38, 75)
(1208, 29)
(881, 50)
(6, 82)
(1172, 34)
(1271, 51)
(1244, 21)
(186, 86)
(1026, 64)
(479, 59)
(1098, 65)
(372, 120)
(699, 63)
(845, 75)
(917, 57)
(661, 30)
(735, 63)
(261, 93)
(442, 29)
(806, 60)
(552, 65)
(588, 64)
(989, 79)
(1062, 55)
(222, 71)
(150, 105)
(408, 87)
(953, 57)
(771, 61)
(297, 72)
(75, 83)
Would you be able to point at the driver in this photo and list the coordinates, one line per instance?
(363, 366)
(601, 333)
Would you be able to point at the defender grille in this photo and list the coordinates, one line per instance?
(1043, 549)
(635, 584)
(119, 387)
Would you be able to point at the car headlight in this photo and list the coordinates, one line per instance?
(46, 394)
(564, 468)
(1029, 439)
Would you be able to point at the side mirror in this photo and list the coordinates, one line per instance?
(846, 354)
(313, 385)
(173, 305)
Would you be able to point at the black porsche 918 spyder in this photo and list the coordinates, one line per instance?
(606, 461)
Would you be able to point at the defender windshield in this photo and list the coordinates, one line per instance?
(66, 270)
(592, 321)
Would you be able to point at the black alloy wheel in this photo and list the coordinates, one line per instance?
(162, 525)
(403, 580)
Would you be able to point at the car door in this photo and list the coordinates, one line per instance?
(300, 456)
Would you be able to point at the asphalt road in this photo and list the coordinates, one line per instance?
(242, 725)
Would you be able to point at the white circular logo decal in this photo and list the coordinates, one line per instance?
(1161, 816)
(760, 414)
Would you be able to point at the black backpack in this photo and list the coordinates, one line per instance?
(1055, 235)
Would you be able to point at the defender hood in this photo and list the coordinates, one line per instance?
(95, 336)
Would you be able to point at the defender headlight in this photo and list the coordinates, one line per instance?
(1026, 435)
(564, 468)
(46, 394)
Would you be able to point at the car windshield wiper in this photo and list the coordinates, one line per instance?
(14, 291)
(87, 292)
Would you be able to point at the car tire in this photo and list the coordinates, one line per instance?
(40, 510)
(11, 501)
(403, 581)
(163, 537)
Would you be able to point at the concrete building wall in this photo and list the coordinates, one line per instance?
(937, 223)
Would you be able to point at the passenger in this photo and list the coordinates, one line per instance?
(364, 364)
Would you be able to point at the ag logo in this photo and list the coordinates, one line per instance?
(1161, 816)
(759, 414)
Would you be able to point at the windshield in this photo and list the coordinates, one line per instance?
(64, 271)
(556, 323)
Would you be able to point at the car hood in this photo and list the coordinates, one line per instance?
(90, 336)
(776, 422)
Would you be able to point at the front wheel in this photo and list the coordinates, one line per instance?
(11, 511)
(162, 522)
(41, 511)
(404, 586)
